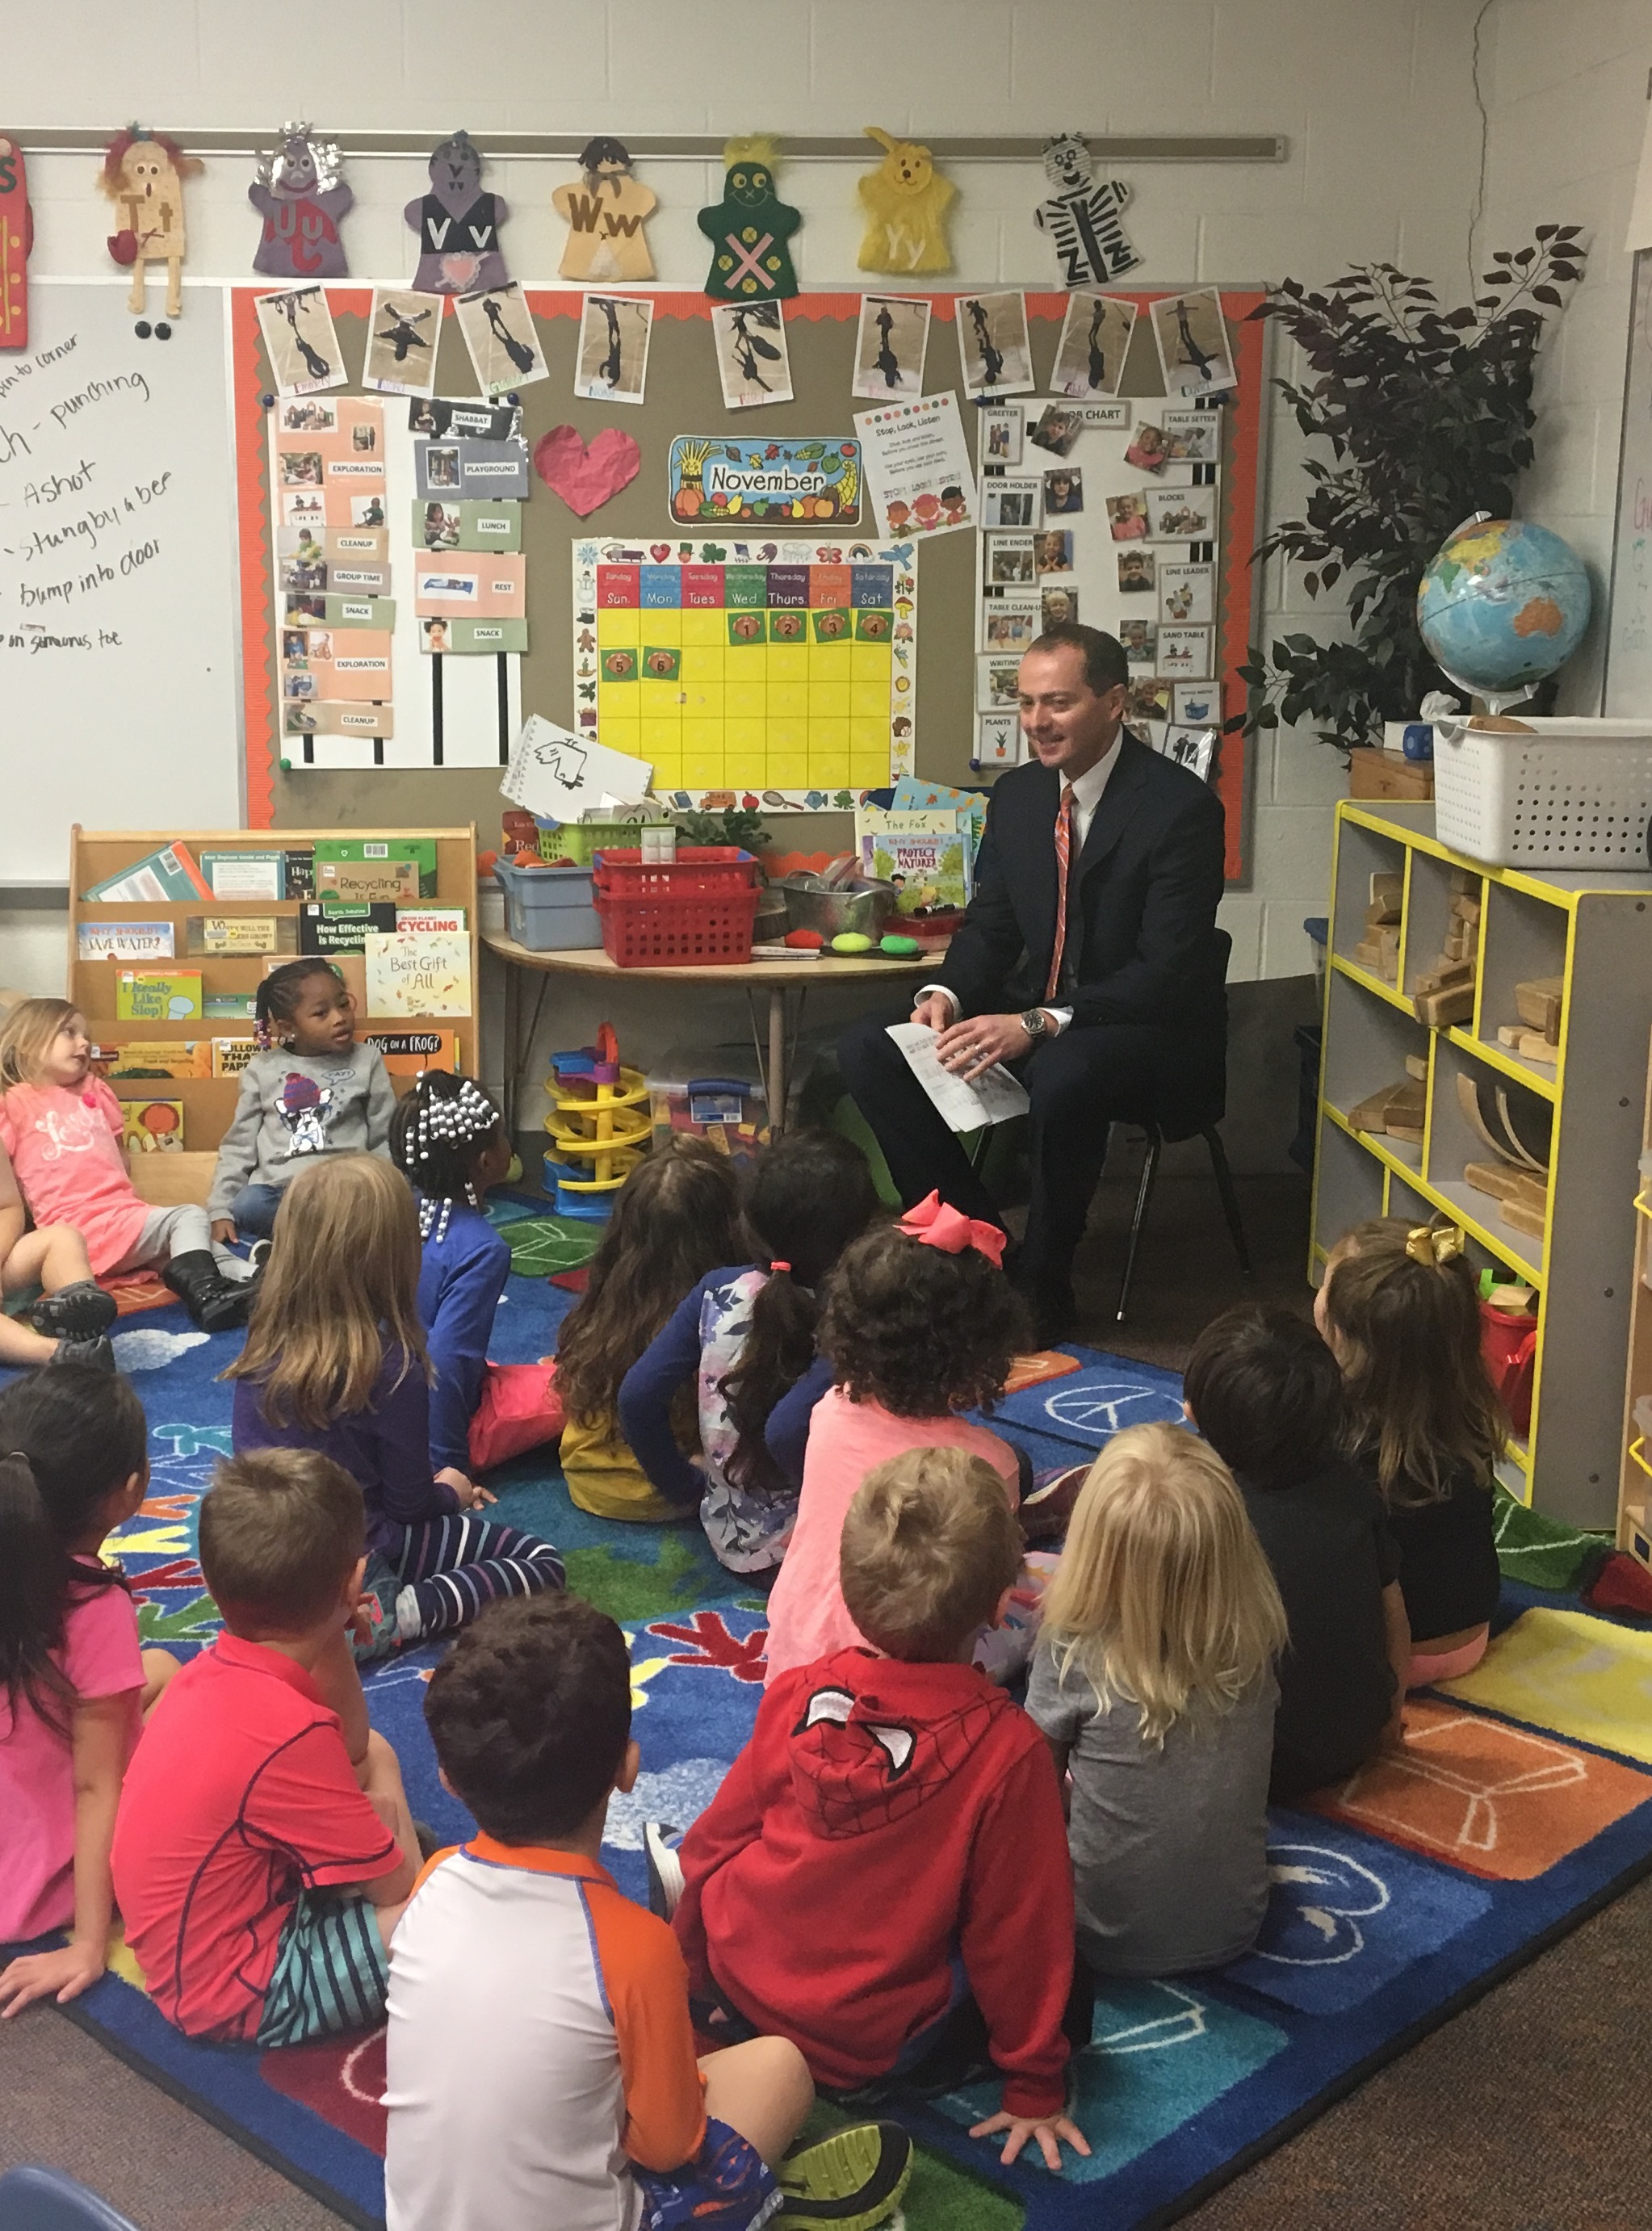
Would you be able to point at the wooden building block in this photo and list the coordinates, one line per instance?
(1538, 1003)
(1519, 1217)
(1439, 1010)
(1373, 772)
(1416, 1065)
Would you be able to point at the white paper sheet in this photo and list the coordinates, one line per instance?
(993, 1098)
(562, 776)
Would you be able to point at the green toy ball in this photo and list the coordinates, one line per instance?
(851, 941)
(901, 948)
(513, 1175)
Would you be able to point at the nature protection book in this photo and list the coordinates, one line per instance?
(925, 856)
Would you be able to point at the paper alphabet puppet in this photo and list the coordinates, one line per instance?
(300, 196)
(749, 229)
(458, 225)
(605, 215)
(906, 206)
(1081, 216)
(143, 175)
(16, 241)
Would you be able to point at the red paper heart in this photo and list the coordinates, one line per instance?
(586, 475)
(658, 552)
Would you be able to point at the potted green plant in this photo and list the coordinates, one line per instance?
(1427, 413)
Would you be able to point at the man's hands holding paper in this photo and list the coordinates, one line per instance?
(970, 1048)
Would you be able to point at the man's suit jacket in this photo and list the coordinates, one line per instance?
(1141, 904)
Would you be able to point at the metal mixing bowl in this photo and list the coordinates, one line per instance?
(857, 904)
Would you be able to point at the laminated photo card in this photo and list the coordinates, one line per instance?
(998, 683)
(1058, 604)
(1095, 340)
(612, 362)
(1010, 559)
(1182, 514)
(998, 740)
(1009, 500)
(753, 360)
(1191, 335)
(1002, 425)
(993, 348)
(890, 346)
(1196, 704)
(1138, 571)
(1186, 594)
(1184, 653)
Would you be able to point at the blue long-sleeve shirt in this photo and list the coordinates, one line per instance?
(702, 1341)
(386, 1448)
(787, 1430)
(461, 1279)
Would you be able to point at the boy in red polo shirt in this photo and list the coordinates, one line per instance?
(259, 1879)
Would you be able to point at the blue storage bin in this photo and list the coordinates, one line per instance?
(549, 909)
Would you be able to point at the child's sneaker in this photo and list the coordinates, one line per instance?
(98, 1352)
(659, 1842)
(79, 1312)
(852, 2180)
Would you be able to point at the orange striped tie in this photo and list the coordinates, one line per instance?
(1063, 856)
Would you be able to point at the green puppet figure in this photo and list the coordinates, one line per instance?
(749, 229)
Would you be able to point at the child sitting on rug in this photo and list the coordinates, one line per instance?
(1153, 1682)
(310, 1091)
(883, 1876)
(540, 2064)
(70, 1322)
(1266, 1393)
(450, 1142)
(745, 1334)
(919, 1324)
(259, 1879)
(335, 1360)
(76, 1685)
(63, 1129)
(1398, 1308)
(675, 1218)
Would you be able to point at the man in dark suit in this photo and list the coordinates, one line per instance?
(1087, 960)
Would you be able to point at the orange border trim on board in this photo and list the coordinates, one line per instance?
(1236, 587)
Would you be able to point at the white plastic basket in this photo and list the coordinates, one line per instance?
(1572, 793)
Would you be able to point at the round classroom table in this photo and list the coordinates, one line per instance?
(777, 978)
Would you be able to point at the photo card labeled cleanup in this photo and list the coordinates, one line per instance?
(612, 362)
(1094, 342)
(890, 345)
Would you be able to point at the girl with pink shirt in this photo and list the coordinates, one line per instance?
(919, 1324)
(61, 1127)
(74, 1683)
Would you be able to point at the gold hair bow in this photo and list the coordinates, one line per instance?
(1437, 1244)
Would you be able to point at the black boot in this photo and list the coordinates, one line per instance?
(98, 1353)
(78, 1312)
(215, 1302)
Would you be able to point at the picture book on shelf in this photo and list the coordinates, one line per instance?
(160, 1057)
(124, 940)
(145, 995)
(152, 1126)
(230, 937)
(406, 1052)
(425, 972)
(231, 1055)
(170, 873)
(248, 874)
(332, 853)
(925, 856)
(330, 926)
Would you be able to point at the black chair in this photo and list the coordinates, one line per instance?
(1190, 1105)
(38, 2199)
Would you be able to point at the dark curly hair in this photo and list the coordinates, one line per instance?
(919, 1330)
(530, 1713)
(277, 996)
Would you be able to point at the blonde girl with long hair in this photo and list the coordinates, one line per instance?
(335, 1360)
(1154, 1683)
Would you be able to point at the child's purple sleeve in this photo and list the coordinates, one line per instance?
(411, 1491)
(787, 1432)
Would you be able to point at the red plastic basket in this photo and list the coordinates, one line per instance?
(698, 912)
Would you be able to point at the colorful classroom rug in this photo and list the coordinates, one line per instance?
(1519, 1806)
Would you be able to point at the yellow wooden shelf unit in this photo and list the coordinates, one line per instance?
(1634, 1487)
(1593, 931)
(210, 1101)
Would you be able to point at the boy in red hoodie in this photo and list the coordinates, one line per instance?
(883, 1877)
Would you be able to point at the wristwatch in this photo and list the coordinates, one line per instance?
(1035, 1022)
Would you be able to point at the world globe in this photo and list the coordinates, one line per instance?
(1503, 606)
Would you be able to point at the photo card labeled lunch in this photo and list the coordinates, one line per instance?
(300, 341)
(612, 362)
(993, 348)
(753, 362)
(890, 345)
(1002, 427)
(502, 339)
(1191, 335)
(402, 330)
(1094, 342)
(1010, 500)
(1187, 594)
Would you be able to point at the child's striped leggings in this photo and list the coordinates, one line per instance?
(455, 1567)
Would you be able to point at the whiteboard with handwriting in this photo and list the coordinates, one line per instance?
(118, 704)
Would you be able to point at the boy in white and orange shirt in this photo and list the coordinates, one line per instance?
(541, 2066)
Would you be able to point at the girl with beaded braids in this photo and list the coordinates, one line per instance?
(448, 1141)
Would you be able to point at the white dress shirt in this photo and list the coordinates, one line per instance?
(1087, 790)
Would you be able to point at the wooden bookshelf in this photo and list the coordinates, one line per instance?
(1592, 930)
(1635, 1487)
(210, 1101)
